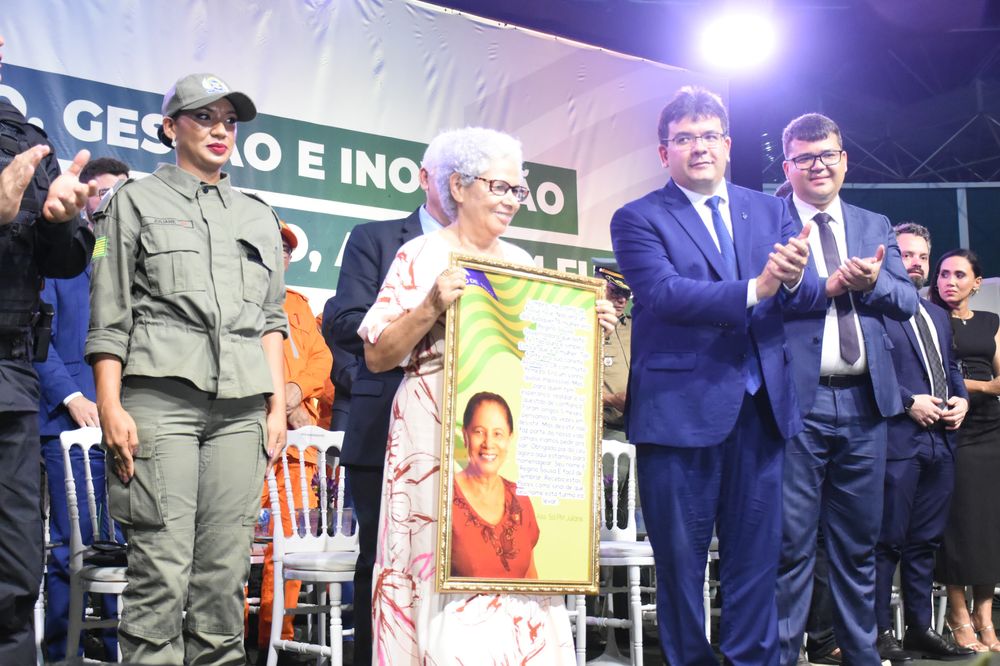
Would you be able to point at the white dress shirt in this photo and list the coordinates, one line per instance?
(921, 312)
(831, 363)
(699, 200)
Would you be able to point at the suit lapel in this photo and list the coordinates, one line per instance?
(739, 213)
(411, 227)
(798, 228)
(680, 207)
(911, 335)
(942, 324)
(853, 229)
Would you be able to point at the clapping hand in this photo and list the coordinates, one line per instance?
(67, 195)
(789, 260)
(784, 265)
(860, 274)
(14, 180)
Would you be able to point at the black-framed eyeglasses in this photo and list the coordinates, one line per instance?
(826, 158)
(710, 139)
(502, 187)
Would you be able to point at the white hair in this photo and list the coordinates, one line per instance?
(469, 152)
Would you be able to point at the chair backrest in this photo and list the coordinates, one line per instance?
(329, 531)
(87, 439)
(617, 520)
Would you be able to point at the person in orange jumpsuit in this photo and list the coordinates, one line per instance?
(325, 401)
(307, 366)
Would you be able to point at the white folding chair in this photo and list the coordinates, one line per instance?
(85, 578)
(619, 548)
(42, 592)
(40, 624)
(939, 604)
(325, 557)
(576, 608)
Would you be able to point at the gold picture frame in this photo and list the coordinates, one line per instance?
(523, 348)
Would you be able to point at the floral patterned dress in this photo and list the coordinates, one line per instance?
(414, 624)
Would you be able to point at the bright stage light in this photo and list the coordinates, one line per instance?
(738, 41)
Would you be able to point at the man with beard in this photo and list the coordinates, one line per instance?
(920, 462)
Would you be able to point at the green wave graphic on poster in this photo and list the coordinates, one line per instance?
(492, 326)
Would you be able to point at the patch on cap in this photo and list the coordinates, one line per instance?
(213, 85)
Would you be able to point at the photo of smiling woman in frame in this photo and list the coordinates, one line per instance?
(493, 531)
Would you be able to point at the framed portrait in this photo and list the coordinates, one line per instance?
(521, 430)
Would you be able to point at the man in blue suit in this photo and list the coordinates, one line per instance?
(367, 256)
(67, 403)
(847, 387)
(712, 266)
(920, 462)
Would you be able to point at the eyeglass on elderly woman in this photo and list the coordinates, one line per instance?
(502, 187)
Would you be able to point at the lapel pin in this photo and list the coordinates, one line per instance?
(744, 215)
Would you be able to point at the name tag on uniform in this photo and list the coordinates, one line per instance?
(186, 224)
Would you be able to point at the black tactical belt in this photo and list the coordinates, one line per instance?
(14, 320)
(15, 347)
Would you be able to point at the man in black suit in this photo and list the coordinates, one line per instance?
(920, 463)
(370, 251)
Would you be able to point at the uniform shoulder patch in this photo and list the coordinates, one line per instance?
(100, 248)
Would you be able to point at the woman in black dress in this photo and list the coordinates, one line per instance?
(970, 553)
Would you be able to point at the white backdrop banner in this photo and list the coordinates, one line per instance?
(348, 94)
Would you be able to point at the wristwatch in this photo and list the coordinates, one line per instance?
(908, 403)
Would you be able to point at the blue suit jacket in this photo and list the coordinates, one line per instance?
(65, 371)
(692, 329)
(892, 296)
(369, 252)
(905, 434)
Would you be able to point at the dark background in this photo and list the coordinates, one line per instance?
(913, 84)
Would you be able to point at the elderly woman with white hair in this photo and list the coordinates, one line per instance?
(478, 173)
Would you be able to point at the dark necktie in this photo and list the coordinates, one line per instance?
(850, 346)
(752, 372)
(939, 385)
(725, 240)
